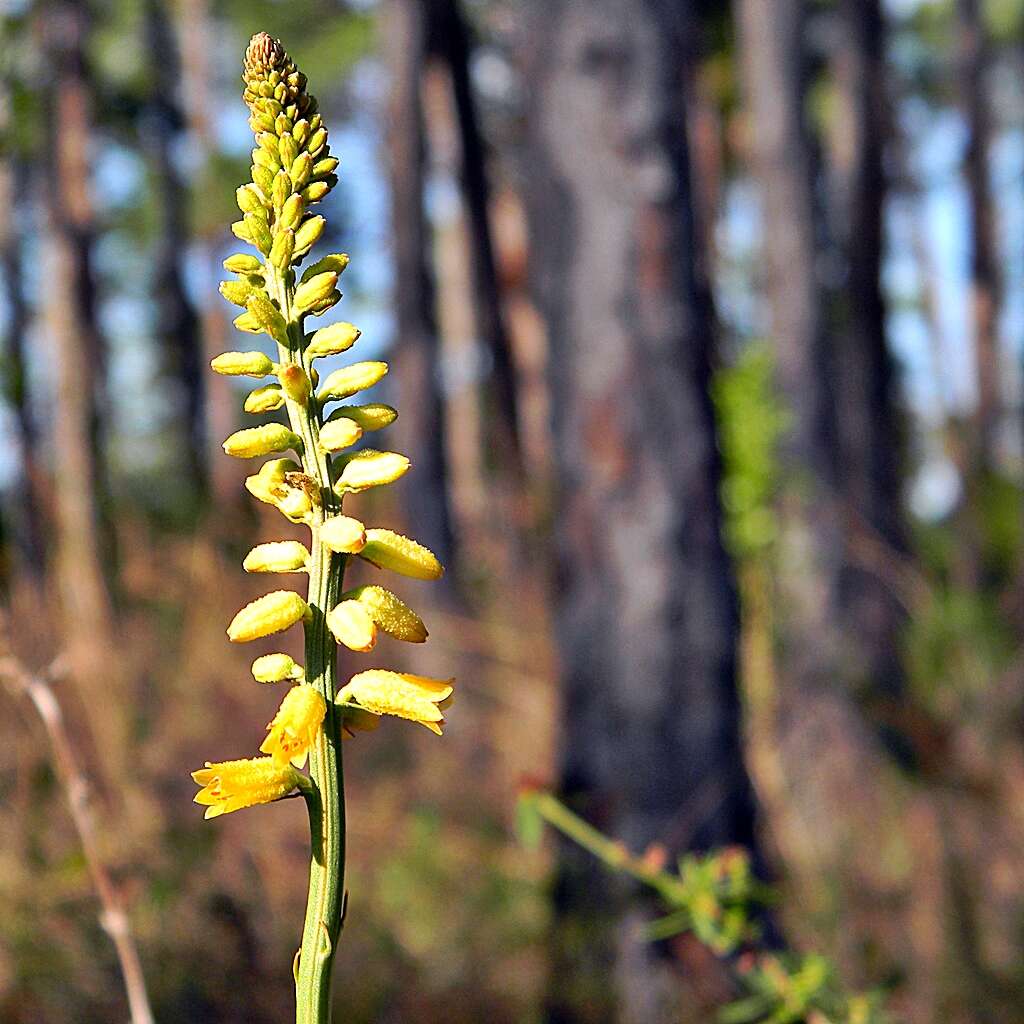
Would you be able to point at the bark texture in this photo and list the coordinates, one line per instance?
(82, 551)
(870, 434)
(418, 362)
(178, 332)
(812, 552)
(449, 40)
(646, 615)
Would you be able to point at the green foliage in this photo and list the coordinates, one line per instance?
(717, 898)
(751, 421)
(797, 989)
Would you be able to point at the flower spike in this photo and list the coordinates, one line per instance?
(292, 171)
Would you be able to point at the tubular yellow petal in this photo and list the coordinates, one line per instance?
(401, 694)
(295, 726)
(230, 785)
(266, 615)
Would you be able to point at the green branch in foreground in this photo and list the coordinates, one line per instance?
(292, 170)
(716, 897)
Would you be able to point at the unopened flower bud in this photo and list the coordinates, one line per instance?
(301, 171)
(264, 177)
(284, 246)
(268, 316)
(291, 214)
(336, 435)
(243, 263)
(315, 191)
(242, 364)
(259, 232)
(388, 550)
(248, 323)
(350, 380)
(294, 382)
(352, 626)
(276, 668)
(343, 534)
(264, 440)
(372, 416)
(308, 234)
(317, 141)
(369, 468)
(277, 556)
(314, 291)
(265, 399)
(389, 613)
(301, 131)
(269, 614)
(248, 199)
(336, 261)
(324, 166)
(236, 292)
(333, 339)
(324, 304)
(281, 189)
(287, 149)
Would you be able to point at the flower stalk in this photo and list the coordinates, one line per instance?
(292, 170)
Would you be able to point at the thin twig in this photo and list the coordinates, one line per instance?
(113, 918)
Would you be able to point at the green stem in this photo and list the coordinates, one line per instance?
(608, 851)
(326, 799)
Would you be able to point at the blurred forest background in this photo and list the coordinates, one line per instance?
(706, 322)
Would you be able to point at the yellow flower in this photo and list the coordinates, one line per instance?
(416, 698)
(231, 785)
(295, 726)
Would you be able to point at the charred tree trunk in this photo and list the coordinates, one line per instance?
(178, 331)
(811, 559)
(417, 353)
(70, 309)
(646, 613)
(449, 40)
(869, 428)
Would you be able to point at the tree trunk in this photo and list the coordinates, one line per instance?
(449, 39)
(811, 549)
(972, 61)
(226, 475)
(71, 317)
(869, 429)
(646, 613)
(417, 353)
(31, 506)
(177, 324)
